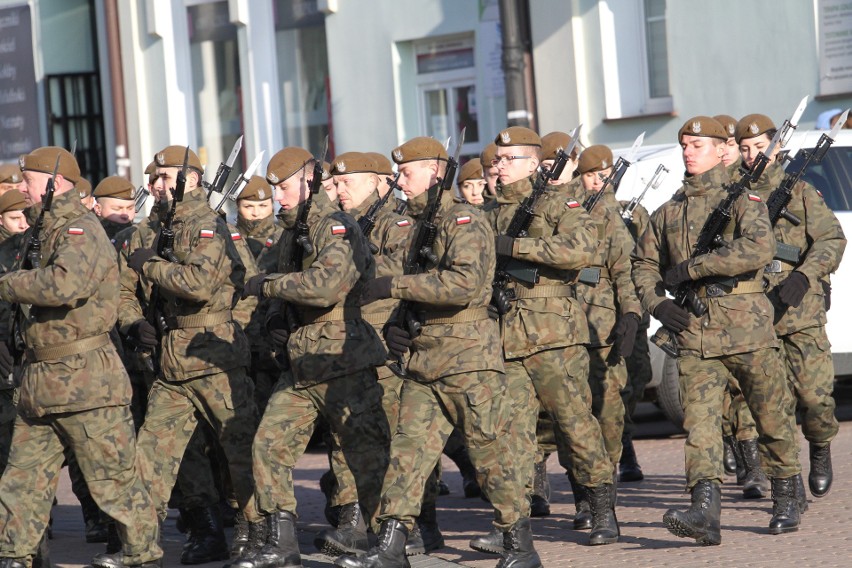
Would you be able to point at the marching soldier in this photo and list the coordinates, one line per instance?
(115, 204)
(471, 184)
(489, 170)
(10, 177)
(734, 338)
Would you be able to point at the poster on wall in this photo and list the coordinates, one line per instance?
(834, 28)
(19, 121)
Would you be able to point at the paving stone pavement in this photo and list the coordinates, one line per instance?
(825, 538)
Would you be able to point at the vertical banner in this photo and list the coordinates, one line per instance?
(834, 29)
(19, 121)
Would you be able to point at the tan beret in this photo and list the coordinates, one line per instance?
(44, 160)
(552, 143)
(518, 136)
(594, 159)
(172, 157)
(12, 200)
(84, 188)
(353, 163)
(728, 122)
(257, 189)
(752, 126)
(115, 187)
(702, 126)
(471, 169)
(383, 165)
(285, 163)
(326, 171)
(488, 154)
(10, 173)
(420, 148)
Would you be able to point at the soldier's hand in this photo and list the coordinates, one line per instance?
(672, 316)
(376, 289)
(6, 361)
(826, 294)
(677, 274)
(143, 333)
(504, 244)
(398, 340)
(139, 257)
(792, 289)
(279, 329)
(254, 286)
(624, 334)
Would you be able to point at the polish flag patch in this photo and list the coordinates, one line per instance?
(572, 204)
(463, 220)
(206, 234)
(75, 231)
(125, 245)
(236, 237)
(754, 197)
(338, 230)
(269, 242)
(403, 223)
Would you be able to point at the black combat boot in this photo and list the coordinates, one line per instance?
(389, 552)
(821, 475)
(206, 542)
(583, 511)
(540, 499)
(241, 535)
(117, 561)
(729, 455)
(461, 458)
(427, 526)
(96, 522)
(756, 484)
(491, 543)
(604, 523)
(12, 563)
(628, 465)
(414, 544)
(328, 486)
(785, 506)
(350, 536)
(801, 496)
(281, 549)
(702, 521)
(519, 551)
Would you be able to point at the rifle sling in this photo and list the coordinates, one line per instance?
(38, 354)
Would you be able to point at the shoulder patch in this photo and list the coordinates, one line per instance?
(463, 220)
(573, 204)
(338, 230)
(754, 197)
(75, 231)
(403, 223)
(269, 242)
(206, 234)
(236, 236)
(125, 245)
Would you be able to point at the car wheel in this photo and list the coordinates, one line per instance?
(668, 393)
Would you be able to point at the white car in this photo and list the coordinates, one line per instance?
(832, 177)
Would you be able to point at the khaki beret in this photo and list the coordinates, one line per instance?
(172, 157)
(518, 136)
(84, 188)
(471, 169)
(353, 163)
(487, 155)
(115, 187)
(12, 200)
(752, 126)
(702, 126)
(552, 143)
(151, 172)
(10, 173)
(594, 159)
(420, 148)
(44, 160)
(326, 171)
(383, 165)
(285, 163)
(728, 122)
(257, 189)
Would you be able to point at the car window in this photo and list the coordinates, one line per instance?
(832, 177)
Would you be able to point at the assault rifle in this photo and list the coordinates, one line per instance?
(401, 205)
(236, 188)
(615, 174)
(654, 183)
(140, 198)
(510, 269)
(367, 221)
(420, 254)
(224, 170)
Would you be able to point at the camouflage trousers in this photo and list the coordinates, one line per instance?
(226, 402)
(198, 473)
(7, 424)
(102, 439)
(352, 407)
(737, 420)
(476, 403)
(607, 378)
(760, 375)
(810, 374)
(639, 374)
(523, 416)
(561, 381)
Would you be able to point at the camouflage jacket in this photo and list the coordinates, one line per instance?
(819, 238)
(10, 246)
(259, 234)
(464, 246)
(333, 276)
(73, 296)
(246, 311)
(614, 295)
(205, 282)
(561, 241)
(639, 221)
(734, 323)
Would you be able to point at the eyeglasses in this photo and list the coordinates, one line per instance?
(506, 159)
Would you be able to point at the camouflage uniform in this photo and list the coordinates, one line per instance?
(331, 359)
(74, 299)
(10, 244)
(820, 240)
(204, 354)
(544, 332)
(735, 336)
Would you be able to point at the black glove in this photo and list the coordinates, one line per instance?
(672, 316)
(398, 340)
(826, 294)
(677, 274)
(376, 289)
(143, 334)
(6, 361)
(254, 286)
(279, 329)
(793, 288)
(139, 257)
(493, 312)
(624, 334)
(504, 244)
